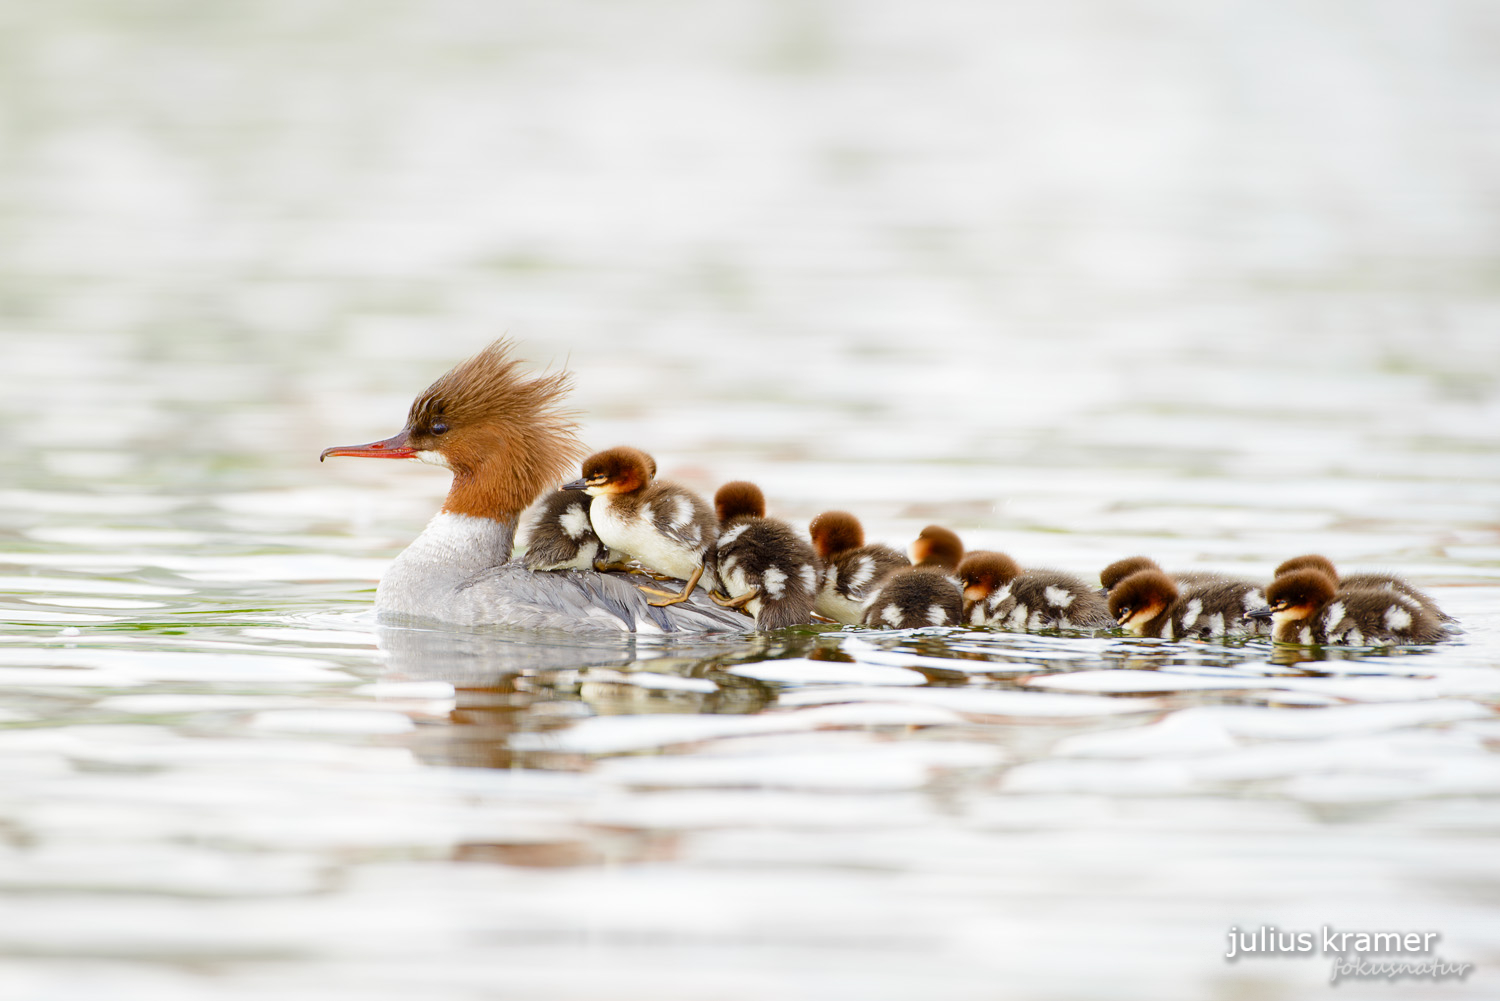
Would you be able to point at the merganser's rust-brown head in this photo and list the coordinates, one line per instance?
(982, 573)
(1120, 569)
(1312, 561)
(835, 532)
(936, 546)
(615, 471)
(739, 499)
(1140, 598)
(505, 437)
(1296, 595)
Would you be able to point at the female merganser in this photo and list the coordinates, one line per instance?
(1149, 603)
(560, 536)
(1308, 607)
(761, 564)
(667, 527)
(998, 592)
(1364, 581)
(1120, 569)
(926, 593)
(506, 439)
(851, 569)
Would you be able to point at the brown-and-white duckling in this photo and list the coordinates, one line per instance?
(1307, 607)
(1367, 581)
(1149, 603)
(925, 594)
(762, 565)
(997, 592)
(559, 535)
(1120, 569)
(851, 569)
(1213, 603)
(667, 527)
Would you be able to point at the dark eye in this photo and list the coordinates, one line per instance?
(439, 428)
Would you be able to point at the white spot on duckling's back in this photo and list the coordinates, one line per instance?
(1059, 597)
(1397, 618)
(937, 615)
(575, 521)
(683, 513)
(774, 581)
(728, 538)
(809, 575)
(863, 571)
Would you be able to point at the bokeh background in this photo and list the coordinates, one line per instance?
(1215, 281)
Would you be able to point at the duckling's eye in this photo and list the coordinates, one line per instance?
(439, 428)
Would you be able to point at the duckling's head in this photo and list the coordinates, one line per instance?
(982, 573)
(1141, 597)
(615, 471)
(1312, 561)
(1120, 569)
(738, 499)
(1297, 594)
(835, 532)
(936, 546)
(506, 437)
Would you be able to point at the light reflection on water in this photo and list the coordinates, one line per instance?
(1076, 282)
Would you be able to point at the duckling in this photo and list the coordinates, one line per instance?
(1222, 600)
(999, 593)
(1149, 603)
(1120, 569)
(983, 573)
(665, 526)
(851, 569)
(761, 564)
(560, 535)
(1306, 606)
(926, 593)
(1370, 581)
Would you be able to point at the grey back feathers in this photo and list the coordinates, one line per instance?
(459, 571)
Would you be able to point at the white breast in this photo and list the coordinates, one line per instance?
(636, 537)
